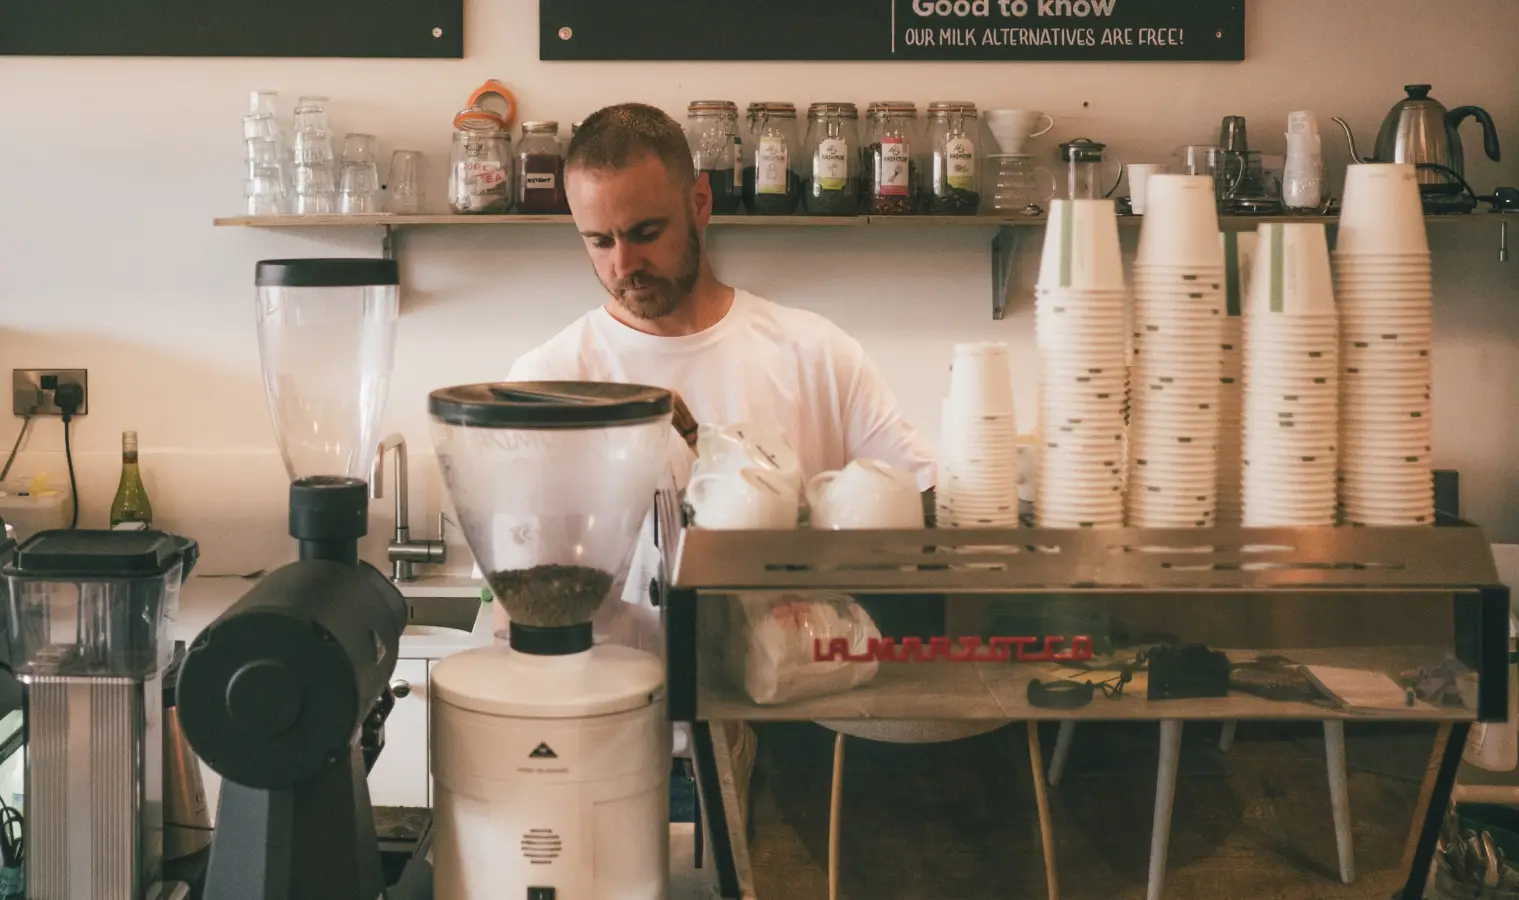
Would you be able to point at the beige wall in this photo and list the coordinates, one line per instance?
(111, 170)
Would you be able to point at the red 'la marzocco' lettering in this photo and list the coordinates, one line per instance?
(967, 649)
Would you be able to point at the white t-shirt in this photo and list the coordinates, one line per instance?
(788, 369)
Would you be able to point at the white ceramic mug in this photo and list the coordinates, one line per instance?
(738, 445)
(1139, 177)
(749, 498)
(866, 493)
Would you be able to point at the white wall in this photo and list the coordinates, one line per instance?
(112, 169)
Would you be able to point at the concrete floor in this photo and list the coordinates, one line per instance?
(957, 821)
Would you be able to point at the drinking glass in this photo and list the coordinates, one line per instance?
(261, 103)
(405, 186)
(264, 187)
(315, 189)
(358, 148)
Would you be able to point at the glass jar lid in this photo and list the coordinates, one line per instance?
(885, 109)
(479, 121)
(773, 110)
(833, 111)
(713, 107)
(944, 109)
(1082, 150)
(549, 127)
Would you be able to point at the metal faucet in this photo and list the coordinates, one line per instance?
(403, 552)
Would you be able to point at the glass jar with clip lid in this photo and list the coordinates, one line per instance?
(951, 188)
(717, 151)
(480, 175)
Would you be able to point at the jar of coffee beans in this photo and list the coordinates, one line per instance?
(772, 186)
(951, 186)
(540, 170)
(717, 151)
(891, 158)
(831, 186)
(480, 174)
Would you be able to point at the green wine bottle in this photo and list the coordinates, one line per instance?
(131, 503)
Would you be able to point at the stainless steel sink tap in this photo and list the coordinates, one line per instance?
(403, 552)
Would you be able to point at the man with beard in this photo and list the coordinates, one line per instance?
(728, 355)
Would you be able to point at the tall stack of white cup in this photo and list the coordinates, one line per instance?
(1080, 316)
(1384, 291)
(1175, 386)
(1291, 392)
(978, 443)
(1303, 175)
(1239, 253)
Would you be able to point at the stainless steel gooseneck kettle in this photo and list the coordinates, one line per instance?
(1420, 131)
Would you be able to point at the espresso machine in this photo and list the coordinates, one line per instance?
(86, 616)
(551, 756)
(285, 694)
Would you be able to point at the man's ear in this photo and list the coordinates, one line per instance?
(701, 200)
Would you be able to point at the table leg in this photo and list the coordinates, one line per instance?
(1432, 808)
(1042, 801)
(1063, 740)
(1339, 798)
(1165, 800)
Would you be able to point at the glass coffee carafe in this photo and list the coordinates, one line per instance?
(1085, 170)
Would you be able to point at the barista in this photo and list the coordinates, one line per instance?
(728, 355)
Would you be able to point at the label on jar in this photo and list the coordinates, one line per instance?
(539, 181)
(484, 174)
(895, 161)
(960, 163)
(738, 165)
(830, 170)
(771, 162)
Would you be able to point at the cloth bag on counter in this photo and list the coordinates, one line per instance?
(772, 652)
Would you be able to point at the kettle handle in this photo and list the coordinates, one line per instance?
(1455, 117)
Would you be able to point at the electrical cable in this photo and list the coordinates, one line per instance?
(68, 455)
(26, 427)
(69, 398)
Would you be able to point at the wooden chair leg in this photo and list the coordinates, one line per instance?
(1165, 800)
(1339, 798)
(1042, 801)
(1063, 739)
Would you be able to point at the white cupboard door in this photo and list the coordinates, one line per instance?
(400, 777)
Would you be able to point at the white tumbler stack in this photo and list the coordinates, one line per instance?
(1291, 393)
(1239, 252)
(1080, 321)
(1384, 292)
(1175, 387)
(978, 453)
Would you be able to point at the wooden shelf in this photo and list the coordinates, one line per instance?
(382, 220)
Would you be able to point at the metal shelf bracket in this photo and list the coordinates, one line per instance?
(1004, 267)
(388, 243)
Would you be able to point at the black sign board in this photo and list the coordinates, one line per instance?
(961, 30)
(295, 28)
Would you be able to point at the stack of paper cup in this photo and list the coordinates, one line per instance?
(978, 458)
(1239, 252)
(1291, 423)
(1175, 386)
(1080, 317)
(1384, 293)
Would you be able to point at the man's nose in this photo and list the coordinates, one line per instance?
(626, 259)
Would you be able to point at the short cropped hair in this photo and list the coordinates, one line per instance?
(616, 137)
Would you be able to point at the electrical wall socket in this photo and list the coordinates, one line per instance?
(32, 390)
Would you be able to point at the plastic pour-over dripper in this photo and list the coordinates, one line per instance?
(551, 482)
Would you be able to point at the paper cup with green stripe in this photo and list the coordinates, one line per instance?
(1291, 275)
(1081, 247)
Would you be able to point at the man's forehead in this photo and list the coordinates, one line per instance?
(623, 197)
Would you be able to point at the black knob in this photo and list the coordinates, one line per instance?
(264, 697)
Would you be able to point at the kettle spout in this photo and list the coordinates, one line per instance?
(1350, 139)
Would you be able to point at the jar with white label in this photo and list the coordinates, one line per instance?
(717, 151)
(540, 170)
(890, 158)
(831, 174)
(772, 186)
(951, 186)
(480, 177)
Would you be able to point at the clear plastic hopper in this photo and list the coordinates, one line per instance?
(326, 338)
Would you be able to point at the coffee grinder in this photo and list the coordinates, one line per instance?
(87, 618)
(550, 756)
(285, 694)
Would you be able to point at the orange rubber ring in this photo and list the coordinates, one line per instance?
(497, 89)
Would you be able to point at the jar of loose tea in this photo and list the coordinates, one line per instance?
(891, 158)
(540, 170)
(717, 151)
(831, 186)
(480, 177)
(772, 186)
(951, 188)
